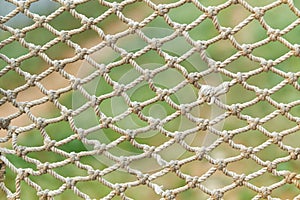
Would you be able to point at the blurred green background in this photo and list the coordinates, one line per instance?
(279, 18)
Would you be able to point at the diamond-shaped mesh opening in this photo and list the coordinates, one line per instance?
(124, 74)
(172, 152)
(94, 5)
(89, 189)
(20, 120)
(290, 166)
(127, 148)
(279, 123)
(43, 7)
(268, 178)
(247, 95)
(251, 33)
(152, 138)
(290, 191)
(291, 139)
(19, 21)
(289, 65)
(170, 181)
(172, 49)
(240, 193)
(159, 1)
(117, 26)
(237, 13)
(286, 94)
(141, 93)
(13, 50)
(265, 80)
(145, 60)
(9, 109)
(296, 4)
(131, 43)
(263, 52)
(4, 34)
(57, 77)
(295, 111)
(233, 122)
(242, 64)
(234, 166)
(42, 181)
(35, 135)
(11, 80)
(214, 3)
(131, 11)
(30, 192)
(19, 162)
(158, 21)
(221, 50)
(73, 145)
(33, 36)
(69, 22)
(271, 152)
(212, 181)
(53, 51)
(282, 13)
(186, 95)
(30, 94)
(226, 152)
(29, 64)
(180, 15)
(143, 190)
(204, 31)
(118, 1)
(119, 177)
(250, 138)
(6, 8)
(192, 192)
(69, 194)
(173, 76)
(70, 170)
(191, 168)
(35, 110)
(290, 35)
(170, 100)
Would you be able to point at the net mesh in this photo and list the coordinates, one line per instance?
(254, 154)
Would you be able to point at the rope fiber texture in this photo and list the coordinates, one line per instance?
(25, 164)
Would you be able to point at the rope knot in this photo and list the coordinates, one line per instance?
(276, 137)
(210, 93)
(4, 123)
(155, 43)
(40, 20)
(88, 22)
(68, 4)
(106, 122)
(258, 12)
(246, 49)
(297, 50)
(226, 32)
(211, 11)
(162, 93)
(110, 40)
(162, 9)
(136, 107)
(274, 34)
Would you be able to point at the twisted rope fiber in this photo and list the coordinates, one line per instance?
(207, 94)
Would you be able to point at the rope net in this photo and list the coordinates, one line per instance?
(75, 125)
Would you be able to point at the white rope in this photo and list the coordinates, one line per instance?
(171, 131)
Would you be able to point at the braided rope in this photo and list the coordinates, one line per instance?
(214, 171)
